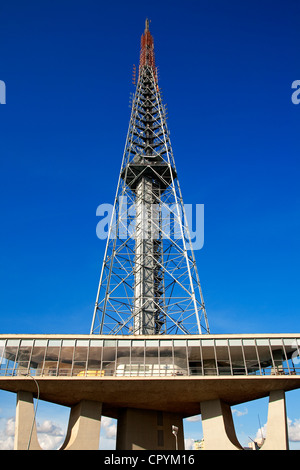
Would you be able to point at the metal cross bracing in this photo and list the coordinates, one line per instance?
(149, 282)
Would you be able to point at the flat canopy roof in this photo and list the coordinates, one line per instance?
(143, 337)
(167, 372)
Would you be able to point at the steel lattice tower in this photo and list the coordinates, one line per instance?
(149, 282)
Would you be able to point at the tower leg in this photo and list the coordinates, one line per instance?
(84, 426)
(218, 426)
(277, 432)
(148, 430)
(25, 428)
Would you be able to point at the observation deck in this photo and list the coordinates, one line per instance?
(170, 373)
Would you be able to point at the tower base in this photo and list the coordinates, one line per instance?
(148, 430)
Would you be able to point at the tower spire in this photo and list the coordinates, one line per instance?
(149, 282)
(147, 57)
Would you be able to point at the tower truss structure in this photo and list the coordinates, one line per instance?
(149, 282)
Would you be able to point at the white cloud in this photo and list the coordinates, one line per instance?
(194, 418)
(108, 427)
(49, 442)
(10, 427)
(108, 433)
(261, 433)
(6, 442)
(50, 435)
(189, 444)
(239, 413)
(7, 434)
(294, 430)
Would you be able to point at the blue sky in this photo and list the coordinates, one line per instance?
(226, 70)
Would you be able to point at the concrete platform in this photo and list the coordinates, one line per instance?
(181, 395)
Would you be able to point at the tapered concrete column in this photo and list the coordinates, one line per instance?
(148, 430)
(84, 426)
(277, 431)
(25, 427)
(218, 426)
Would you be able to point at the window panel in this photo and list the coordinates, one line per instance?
(66, 358)
(237, 357)
(208, 357)
(51, 359)
(194, 359)
(37, 357)
(252, 361)
(223, 359)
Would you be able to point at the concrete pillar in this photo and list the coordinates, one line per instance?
(218, 426)
(25, 427)
(277, 431)
(84, 426)
(148, 430)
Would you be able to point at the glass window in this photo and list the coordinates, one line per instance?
(235, 342)
(248, 342)
(165, 343)
(13, 342)
(124, 342)
(289, 341)
(123, 358)
(152, 343)
(207, 342)
(94, 366)
(276, 342)
(265, 360)
(138, 343)
(208, 357)
(109, 357)
(194, 358)
(96, 343)
(262, 342)
(37, 357)
(110, 342)
(2, 347)
(40, 342)
(26, 342)
(180, 360)
(68, 342)
(11, 351)
(292, 349)
(151, 359)
(82, 343)
(51, 359)
(66, 358)
(166, 358)
(280, 367)
(223, 359)
(54, 342)
(237, 357)
(137, 355)
(80, 358)
(252, 362)
(24, 355)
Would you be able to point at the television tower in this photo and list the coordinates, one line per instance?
(149, 282)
